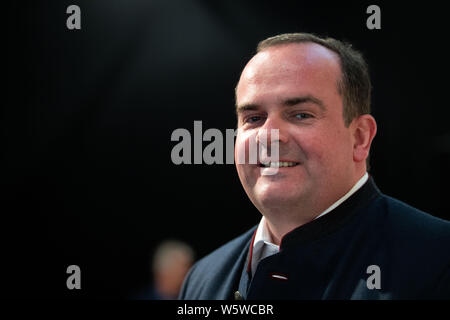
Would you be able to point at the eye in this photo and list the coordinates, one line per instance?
(303, 115)
(252, 119)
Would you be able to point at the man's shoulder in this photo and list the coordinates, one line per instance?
(412, 221)
(414, 244)
(408, 231)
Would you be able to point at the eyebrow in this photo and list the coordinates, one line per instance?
(290, 102)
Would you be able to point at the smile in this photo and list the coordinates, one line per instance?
(278, 164)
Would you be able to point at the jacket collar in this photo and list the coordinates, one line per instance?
(317, 228)
(334, 219)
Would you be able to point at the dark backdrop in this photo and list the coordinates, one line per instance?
(88, 115)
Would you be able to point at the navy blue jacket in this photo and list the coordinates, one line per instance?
(328, 258)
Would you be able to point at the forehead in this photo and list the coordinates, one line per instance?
(297, 68)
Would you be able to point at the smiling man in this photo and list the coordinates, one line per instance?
(327, 232)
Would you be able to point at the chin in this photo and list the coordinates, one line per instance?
(274, 197)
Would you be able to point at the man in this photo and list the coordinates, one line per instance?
(170, 263)
(327, 232)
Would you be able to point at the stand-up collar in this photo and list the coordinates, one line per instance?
(334, 219)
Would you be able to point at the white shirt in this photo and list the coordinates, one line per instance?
(263, 246)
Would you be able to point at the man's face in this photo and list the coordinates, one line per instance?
(293, 88)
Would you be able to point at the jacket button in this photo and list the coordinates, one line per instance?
(238, 296)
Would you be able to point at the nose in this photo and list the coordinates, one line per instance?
(273, 131)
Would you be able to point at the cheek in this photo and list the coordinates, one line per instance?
(324, 148)
(313, 145)
(239, 150)
(241, 157)
(246, 147)
(338, 149)
(241, 146)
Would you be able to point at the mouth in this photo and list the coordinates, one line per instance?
(278, 164)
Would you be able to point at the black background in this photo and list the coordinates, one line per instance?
(88, 116)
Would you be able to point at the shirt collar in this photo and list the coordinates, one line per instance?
(262, 245)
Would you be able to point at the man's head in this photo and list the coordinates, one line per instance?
(316, 92)
(354, 82)
(170, 264)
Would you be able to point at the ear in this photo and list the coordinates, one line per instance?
(364, 129)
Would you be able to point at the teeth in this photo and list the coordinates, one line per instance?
(279, 164)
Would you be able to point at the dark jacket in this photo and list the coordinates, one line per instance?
(335, 257)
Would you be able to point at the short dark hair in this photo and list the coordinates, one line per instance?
(354, 84)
